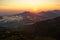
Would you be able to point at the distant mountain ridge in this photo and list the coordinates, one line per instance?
(44, 24)
(28, 18)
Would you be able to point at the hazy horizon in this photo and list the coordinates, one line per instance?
(16, 6)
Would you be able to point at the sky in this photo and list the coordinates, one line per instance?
(31, 5)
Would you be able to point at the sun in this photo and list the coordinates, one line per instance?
(35, 9)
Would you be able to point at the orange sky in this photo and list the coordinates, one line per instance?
(31, 5)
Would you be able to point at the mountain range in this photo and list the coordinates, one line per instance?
(43, 24)
(27, 18)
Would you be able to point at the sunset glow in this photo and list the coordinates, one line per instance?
(31, 5)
